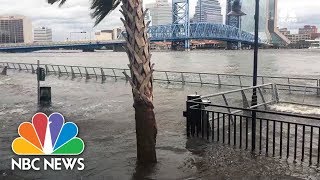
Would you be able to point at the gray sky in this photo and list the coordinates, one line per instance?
(74, 15)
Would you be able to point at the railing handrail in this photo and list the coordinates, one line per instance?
(195, 103)
(233, 91)
(297, 85)
(276, 120)
(184, 72)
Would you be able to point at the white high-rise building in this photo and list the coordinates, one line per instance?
(15, 29)
(160, 12)
(208, 11)
(42, 34)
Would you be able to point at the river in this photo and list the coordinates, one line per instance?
(105, 115)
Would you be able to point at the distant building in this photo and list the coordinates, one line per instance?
(315, 36)
(307, 29)
(15, 29)
(148, 18)
(160, 12)
(104, 35)
(108, 35)
(208, 11)
(268, 20)
(42, 34)
(295, 38)
(284, 31)
(306, 33)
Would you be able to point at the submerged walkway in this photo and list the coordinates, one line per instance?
(106, 124)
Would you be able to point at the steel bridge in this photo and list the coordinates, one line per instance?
(171, 33)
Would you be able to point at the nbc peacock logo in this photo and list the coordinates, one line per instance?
(48, 136)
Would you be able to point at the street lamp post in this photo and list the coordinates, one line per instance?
(254, 101)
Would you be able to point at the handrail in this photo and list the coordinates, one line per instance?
(179, 72)
(233, 91)
(203, 78)
(257, 110)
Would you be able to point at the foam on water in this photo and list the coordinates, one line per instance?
(294, 108)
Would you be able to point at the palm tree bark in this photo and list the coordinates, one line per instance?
(138, 50)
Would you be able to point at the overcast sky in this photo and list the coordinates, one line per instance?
(74, 15)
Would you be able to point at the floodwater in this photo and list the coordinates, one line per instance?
(105, 116)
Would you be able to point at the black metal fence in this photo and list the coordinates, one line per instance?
(291, 136)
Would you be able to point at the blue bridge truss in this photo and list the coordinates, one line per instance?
(171, 33)
(200, 30)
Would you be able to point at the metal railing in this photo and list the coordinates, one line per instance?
(294, 137)
(58, 43)
(183, 77)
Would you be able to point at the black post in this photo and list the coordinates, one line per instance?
(38, 81)
(255, 75)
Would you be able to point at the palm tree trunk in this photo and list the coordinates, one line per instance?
(138, 50)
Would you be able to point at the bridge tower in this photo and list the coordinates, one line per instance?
(180, 24)
(233, 18)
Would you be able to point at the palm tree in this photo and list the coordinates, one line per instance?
(138, 50)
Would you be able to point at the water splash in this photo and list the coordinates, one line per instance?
(294, 108)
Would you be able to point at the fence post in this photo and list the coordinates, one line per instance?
(240, 81)
(167, 78)
(182, 78)
(32, 69)
(72, 73)
(200, 78)
(125, 76)
(87, 74)
(318, 90)
(262, 79)
(192, 115)
(47, 69)
(103, 76)
(66, 70)
(289, 85)
(59, 71)
(26, 67)
(262, 98)
(114, 73)
(55, 73)
(19, 67)
(95, 73)
(276, 93)
(219, 81)
(79, 71)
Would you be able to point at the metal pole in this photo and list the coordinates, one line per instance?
(255, 75)
(38, 71)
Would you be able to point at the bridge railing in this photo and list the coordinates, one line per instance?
(183, 77)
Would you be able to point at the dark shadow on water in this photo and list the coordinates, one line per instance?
(144, 171)
(196, 145)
